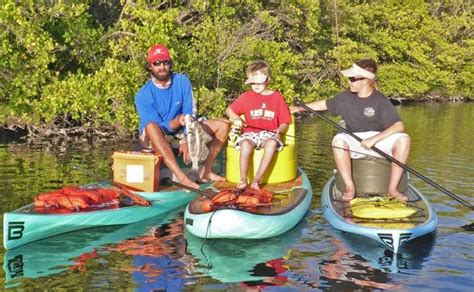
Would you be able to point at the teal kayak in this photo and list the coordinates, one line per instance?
(291, 202)
(387, 225)
(25, 225)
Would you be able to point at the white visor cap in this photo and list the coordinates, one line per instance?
(257, 77)
(356, 71)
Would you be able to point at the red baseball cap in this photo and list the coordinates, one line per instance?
(158, 53)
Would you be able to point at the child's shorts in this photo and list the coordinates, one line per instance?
(258, 138)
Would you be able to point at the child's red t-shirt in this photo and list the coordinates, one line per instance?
(262, 112)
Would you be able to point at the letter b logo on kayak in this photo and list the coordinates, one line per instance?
(15, 230)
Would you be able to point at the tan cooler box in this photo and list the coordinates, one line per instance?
(138, 170)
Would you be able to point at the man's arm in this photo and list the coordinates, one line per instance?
(177, 122)
(188, 102)
(318, 105)
(397, 127)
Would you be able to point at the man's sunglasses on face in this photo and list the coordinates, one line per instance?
(354, 79)
(164, 63)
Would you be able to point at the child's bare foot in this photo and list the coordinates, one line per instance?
(254, 186)
(399, 196)
(242, 185)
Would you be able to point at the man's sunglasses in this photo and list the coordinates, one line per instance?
(165, 63)
(354, 79)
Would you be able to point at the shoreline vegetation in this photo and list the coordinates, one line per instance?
(35, 132)
(73, 69)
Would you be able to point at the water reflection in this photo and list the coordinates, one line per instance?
(410, 257)
(252, 263)
(358, 263)
(156, 257)
(71, 251)
(346, 271)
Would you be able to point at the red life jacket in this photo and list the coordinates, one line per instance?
(229, 198)
(76, 198)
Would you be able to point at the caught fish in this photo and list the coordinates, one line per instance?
(197, 140)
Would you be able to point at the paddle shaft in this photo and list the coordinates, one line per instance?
(388, 157)
(198, 191)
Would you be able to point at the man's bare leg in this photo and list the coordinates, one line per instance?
(219, 130)
(159, 143)
(269, 147)
(400, 151)
(343, 164)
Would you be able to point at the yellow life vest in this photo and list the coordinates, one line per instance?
(380, 208)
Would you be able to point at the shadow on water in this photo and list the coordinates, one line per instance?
(7, 135)
(252, 263)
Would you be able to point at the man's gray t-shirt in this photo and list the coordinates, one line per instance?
(373, 113)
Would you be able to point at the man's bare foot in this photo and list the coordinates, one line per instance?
(208, 177)
(348, 194)
(254, 186)
(346, 210)
(187, 182)
(399, 196)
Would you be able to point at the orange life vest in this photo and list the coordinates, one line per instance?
(229, 198)
(76, 198)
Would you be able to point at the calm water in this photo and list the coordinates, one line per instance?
(158, 254)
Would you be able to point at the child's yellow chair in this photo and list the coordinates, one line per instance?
(281, 169)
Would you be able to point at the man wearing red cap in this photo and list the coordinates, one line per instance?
(162, 103)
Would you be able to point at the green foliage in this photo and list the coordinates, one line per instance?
(67, 64)
(211, 103)
(420, 53)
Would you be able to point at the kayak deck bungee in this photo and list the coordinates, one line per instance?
(26, 225)
(290, 203)
(392, 232)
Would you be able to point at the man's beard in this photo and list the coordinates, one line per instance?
(161, 76)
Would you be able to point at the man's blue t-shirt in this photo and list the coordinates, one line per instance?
(160, 106)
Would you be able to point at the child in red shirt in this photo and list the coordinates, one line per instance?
(266, 117)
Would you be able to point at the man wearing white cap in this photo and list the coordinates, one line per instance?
(162, 103)
(371, 116)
